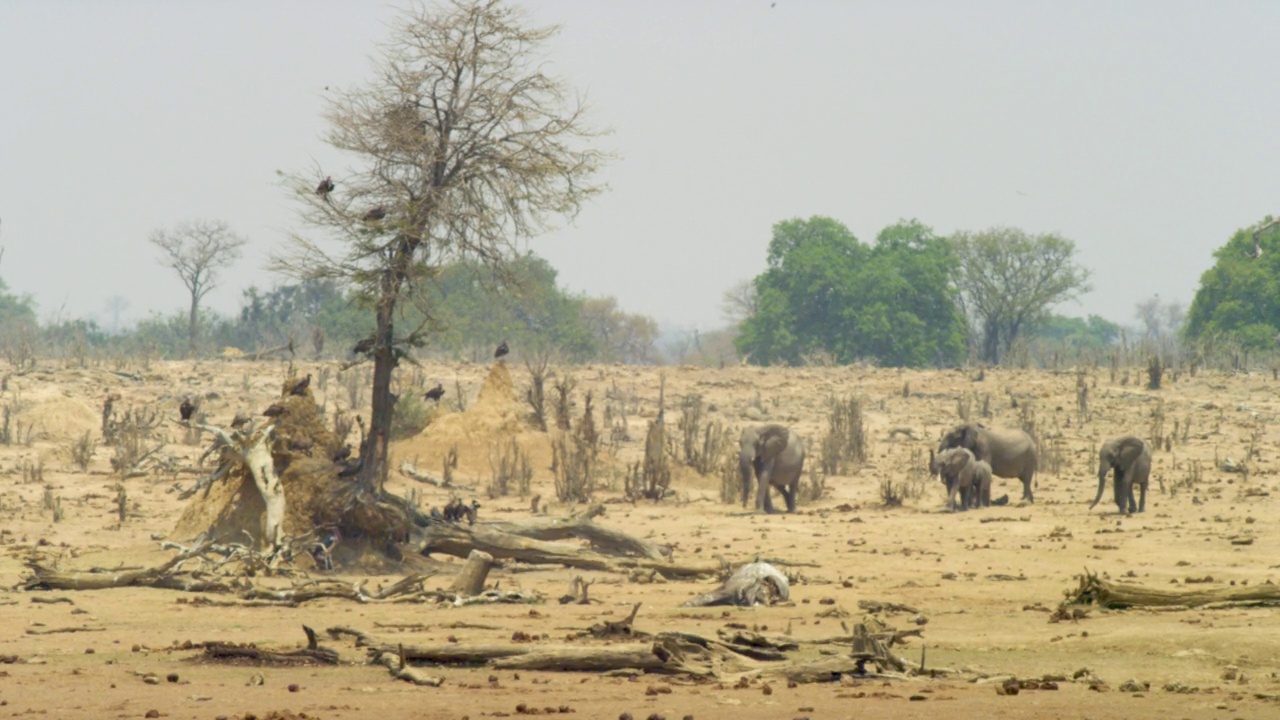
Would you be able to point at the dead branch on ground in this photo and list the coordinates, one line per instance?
(1108, 594)
(459, 541)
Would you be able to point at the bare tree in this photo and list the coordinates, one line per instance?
(459, 147)
(1008, 279)
(739, 302)
(197, 250)
(115, 306)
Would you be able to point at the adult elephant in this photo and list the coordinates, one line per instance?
(1130, 458)
(1010, 453)
(774, 456)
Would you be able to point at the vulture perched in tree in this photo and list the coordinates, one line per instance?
(300, 388)
(276, 410)
(375, 214)
(325, 187)
(363, 346)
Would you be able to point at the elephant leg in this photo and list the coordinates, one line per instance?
(1131, 505)
(1026, 489)
(789, 495)
(763, 501)
(1142, 499)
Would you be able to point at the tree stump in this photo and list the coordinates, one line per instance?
(470, 580)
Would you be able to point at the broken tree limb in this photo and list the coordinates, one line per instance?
(243, 652)
(46, 577)
(1107, 594)
(603, 540)
(412, 472)
(460, 540)
(470, 580)
(401, 670)
(255, 453)
(669, 653)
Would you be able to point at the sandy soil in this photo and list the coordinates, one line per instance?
(985, 580)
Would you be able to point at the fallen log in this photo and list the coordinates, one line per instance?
(47, 577)
(253, 655)
(166, 576)
(668, 653)
(460, 540)
(1108, 594)
(603, 540)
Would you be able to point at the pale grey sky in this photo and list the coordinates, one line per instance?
(1146, 131)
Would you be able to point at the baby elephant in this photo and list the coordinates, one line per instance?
(1130, 458)
(963, 473)
(774, 456)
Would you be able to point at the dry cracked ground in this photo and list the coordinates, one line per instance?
(983, 583)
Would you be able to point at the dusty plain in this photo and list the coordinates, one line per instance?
(985, 580)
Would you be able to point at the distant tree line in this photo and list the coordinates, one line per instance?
(470, 310)
(915, 299)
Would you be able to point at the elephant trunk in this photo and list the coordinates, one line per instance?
(1102, 484)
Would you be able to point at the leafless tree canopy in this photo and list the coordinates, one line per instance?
(461, 137)
(460, 146)
(197, 250)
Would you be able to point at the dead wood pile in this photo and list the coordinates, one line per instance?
(1109, 594)
(733, 656)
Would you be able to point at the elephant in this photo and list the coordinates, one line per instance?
(774, 455)
(1130, 458)
(1010, 453)
(981, 490)
(962, 473)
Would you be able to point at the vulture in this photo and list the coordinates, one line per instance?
(239, 420)
(276, 410)
(300, 388)
(375, 214)
(502, 350)
(343, 453)
(325, 187)
(1257, 250)
(363, 346)
(435, 393)
(187, 409)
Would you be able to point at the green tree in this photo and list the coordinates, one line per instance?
(15, 309)
(459, 146)
(1093, 333)
(824, 291)
(1239, 297)
(1009, 279)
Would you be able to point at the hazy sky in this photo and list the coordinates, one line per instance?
(1147, 132)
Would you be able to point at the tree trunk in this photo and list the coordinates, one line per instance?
(373, 455)
(192, 325)
(470, 580)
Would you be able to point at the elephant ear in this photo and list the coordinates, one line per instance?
(1128, 449)
(771, 442)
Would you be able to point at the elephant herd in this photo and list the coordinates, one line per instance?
(967, 459)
